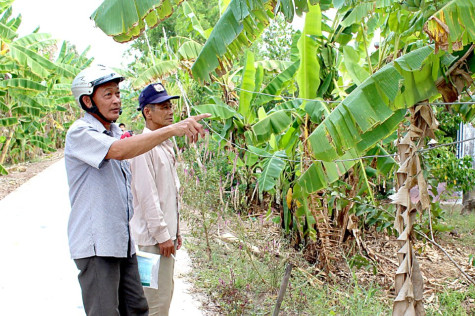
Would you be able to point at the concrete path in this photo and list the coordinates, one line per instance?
(37, 276)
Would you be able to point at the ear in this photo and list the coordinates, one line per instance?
(146, 112)
(87, 101)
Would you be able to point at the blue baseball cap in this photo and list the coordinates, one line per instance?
(153, 94)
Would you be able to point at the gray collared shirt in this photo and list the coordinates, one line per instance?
(99, 191)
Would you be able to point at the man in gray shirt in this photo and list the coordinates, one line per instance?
(100, 195)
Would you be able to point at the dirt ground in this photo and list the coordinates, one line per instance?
(438, 271)
(20, 173)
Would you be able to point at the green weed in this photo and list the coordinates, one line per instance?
(454, 302)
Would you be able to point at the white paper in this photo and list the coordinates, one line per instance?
(148, 268)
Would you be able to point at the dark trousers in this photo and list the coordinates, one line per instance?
(111, 286)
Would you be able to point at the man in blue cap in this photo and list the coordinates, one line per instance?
(155, 188)
(100, 194)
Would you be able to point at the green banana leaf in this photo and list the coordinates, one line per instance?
(248, 86)
(10, 67)
(366, 116)
(277, 84)
(275, 123)
(22, 84)
(322, 173)
(8, 121)
(273, 165)
(5, 4)
(188, 12)
(351, 62)
(189, 50)
(358, 13)
(36, 63)
(160, 69)
(308, 74)
(384, 165)
(35, 40)
(125, 20)
(6, 33)
(241, 24)
(373, 102)
(218, 111)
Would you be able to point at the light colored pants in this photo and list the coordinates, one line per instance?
(159, 300)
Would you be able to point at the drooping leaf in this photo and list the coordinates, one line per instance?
(275, 123)
(241, 23)
(366, 116)
(453, 26)
(189, 50)
(36, 63)
(125, 20)
(22, 84)
(322, 173)
(159, 70)
(8, 121)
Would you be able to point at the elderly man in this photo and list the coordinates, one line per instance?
(155, 188)
(101, 200)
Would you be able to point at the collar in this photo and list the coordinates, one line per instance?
(115, 129)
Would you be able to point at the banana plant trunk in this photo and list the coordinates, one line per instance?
(6, 145)
(408, 280)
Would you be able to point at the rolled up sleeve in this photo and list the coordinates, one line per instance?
(88, 145)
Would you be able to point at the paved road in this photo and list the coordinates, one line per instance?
(37, 276)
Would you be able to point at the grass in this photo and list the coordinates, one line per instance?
(463, 225)
(241, 283)
(454, 303)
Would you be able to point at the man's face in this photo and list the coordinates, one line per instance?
(122, 127)
(107, 99)
(161, 114)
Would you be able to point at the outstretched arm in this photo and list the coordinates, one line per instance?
(133, 146)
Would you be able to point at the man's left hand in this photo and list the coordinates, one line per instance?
(179, 242)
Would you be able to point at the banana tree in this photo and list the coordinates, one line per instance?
(32, 89)
(402, 72)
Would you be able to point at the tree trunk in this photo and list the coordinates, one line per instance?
(409, 286)
(468, 148)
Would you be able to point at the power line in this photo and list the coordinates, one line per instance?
(447, 144)
(327, 101)
(317, 160)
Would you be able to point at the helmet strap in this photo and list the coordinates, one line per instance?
(95, 110)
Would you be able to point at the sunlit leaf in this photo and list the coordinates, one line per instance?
(125, 20)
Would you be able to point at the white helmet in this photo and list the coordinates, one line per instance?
(91, 77)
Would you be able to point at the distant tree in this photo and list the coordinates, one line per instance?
(276, 40)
